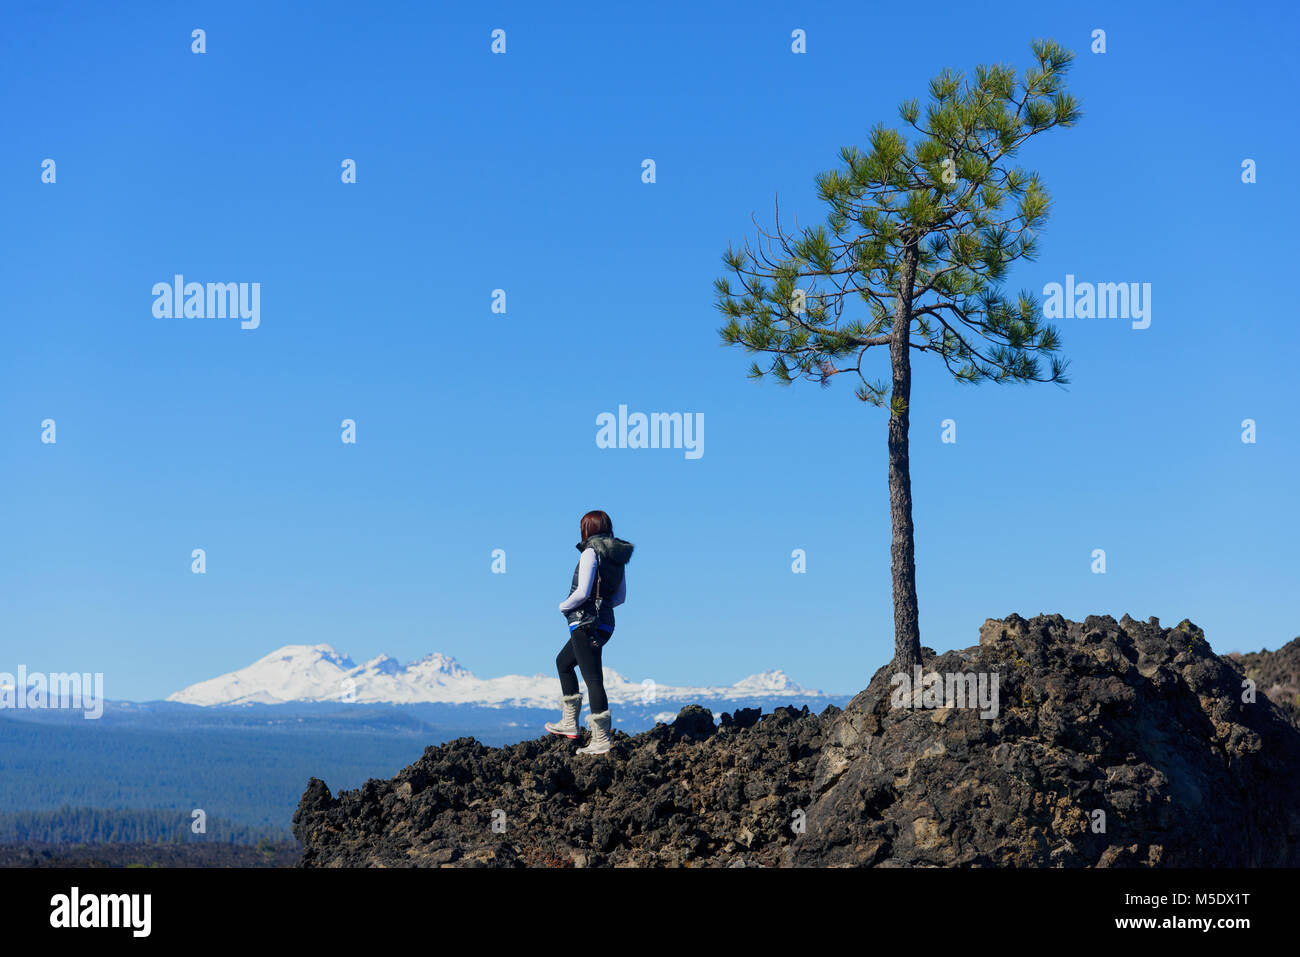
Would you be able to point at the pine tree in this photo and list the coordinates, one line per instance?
(921, 234)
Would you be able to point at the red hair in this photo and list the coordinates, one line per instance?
(595, 523)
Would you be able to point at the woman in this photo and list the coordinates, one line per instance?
(599, 583)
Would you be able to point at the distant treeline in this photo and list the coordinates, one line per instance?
(247, 775)
(154, 854)
(84, 825)
(247, 767)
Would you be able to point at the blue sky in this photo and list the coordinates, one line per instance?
(476, 431)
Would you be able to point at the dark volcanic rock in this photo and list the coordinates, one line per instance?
(689, 794)
(1276, 674)
(1143, 723)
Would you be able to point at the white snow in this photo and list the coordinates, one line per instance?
(304, 673)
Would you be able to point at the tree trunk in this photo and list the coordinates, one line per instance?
(902, 549)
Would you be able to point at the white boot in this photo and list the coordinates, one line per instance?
(600, 741)
(570, 705)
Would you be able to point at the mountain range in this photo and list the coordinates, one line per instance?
(318, 673)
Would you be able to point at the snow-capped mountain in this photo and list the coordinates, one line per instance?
(319, 673)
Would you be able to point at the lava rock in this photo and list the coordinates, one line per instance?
(1276, 674)
(678, 795)
(1111, 744)
(1116, 744)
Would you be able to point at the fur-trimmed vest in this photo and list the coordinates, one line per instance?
(611, 555)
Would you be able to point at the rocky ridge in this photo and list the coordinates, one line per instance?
(1277, 674)
(1113, 744)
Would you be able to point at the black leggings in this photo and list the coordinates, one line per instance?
(583, 650)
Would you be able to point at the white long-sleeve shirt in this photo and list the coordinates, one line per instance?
(586, 567)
